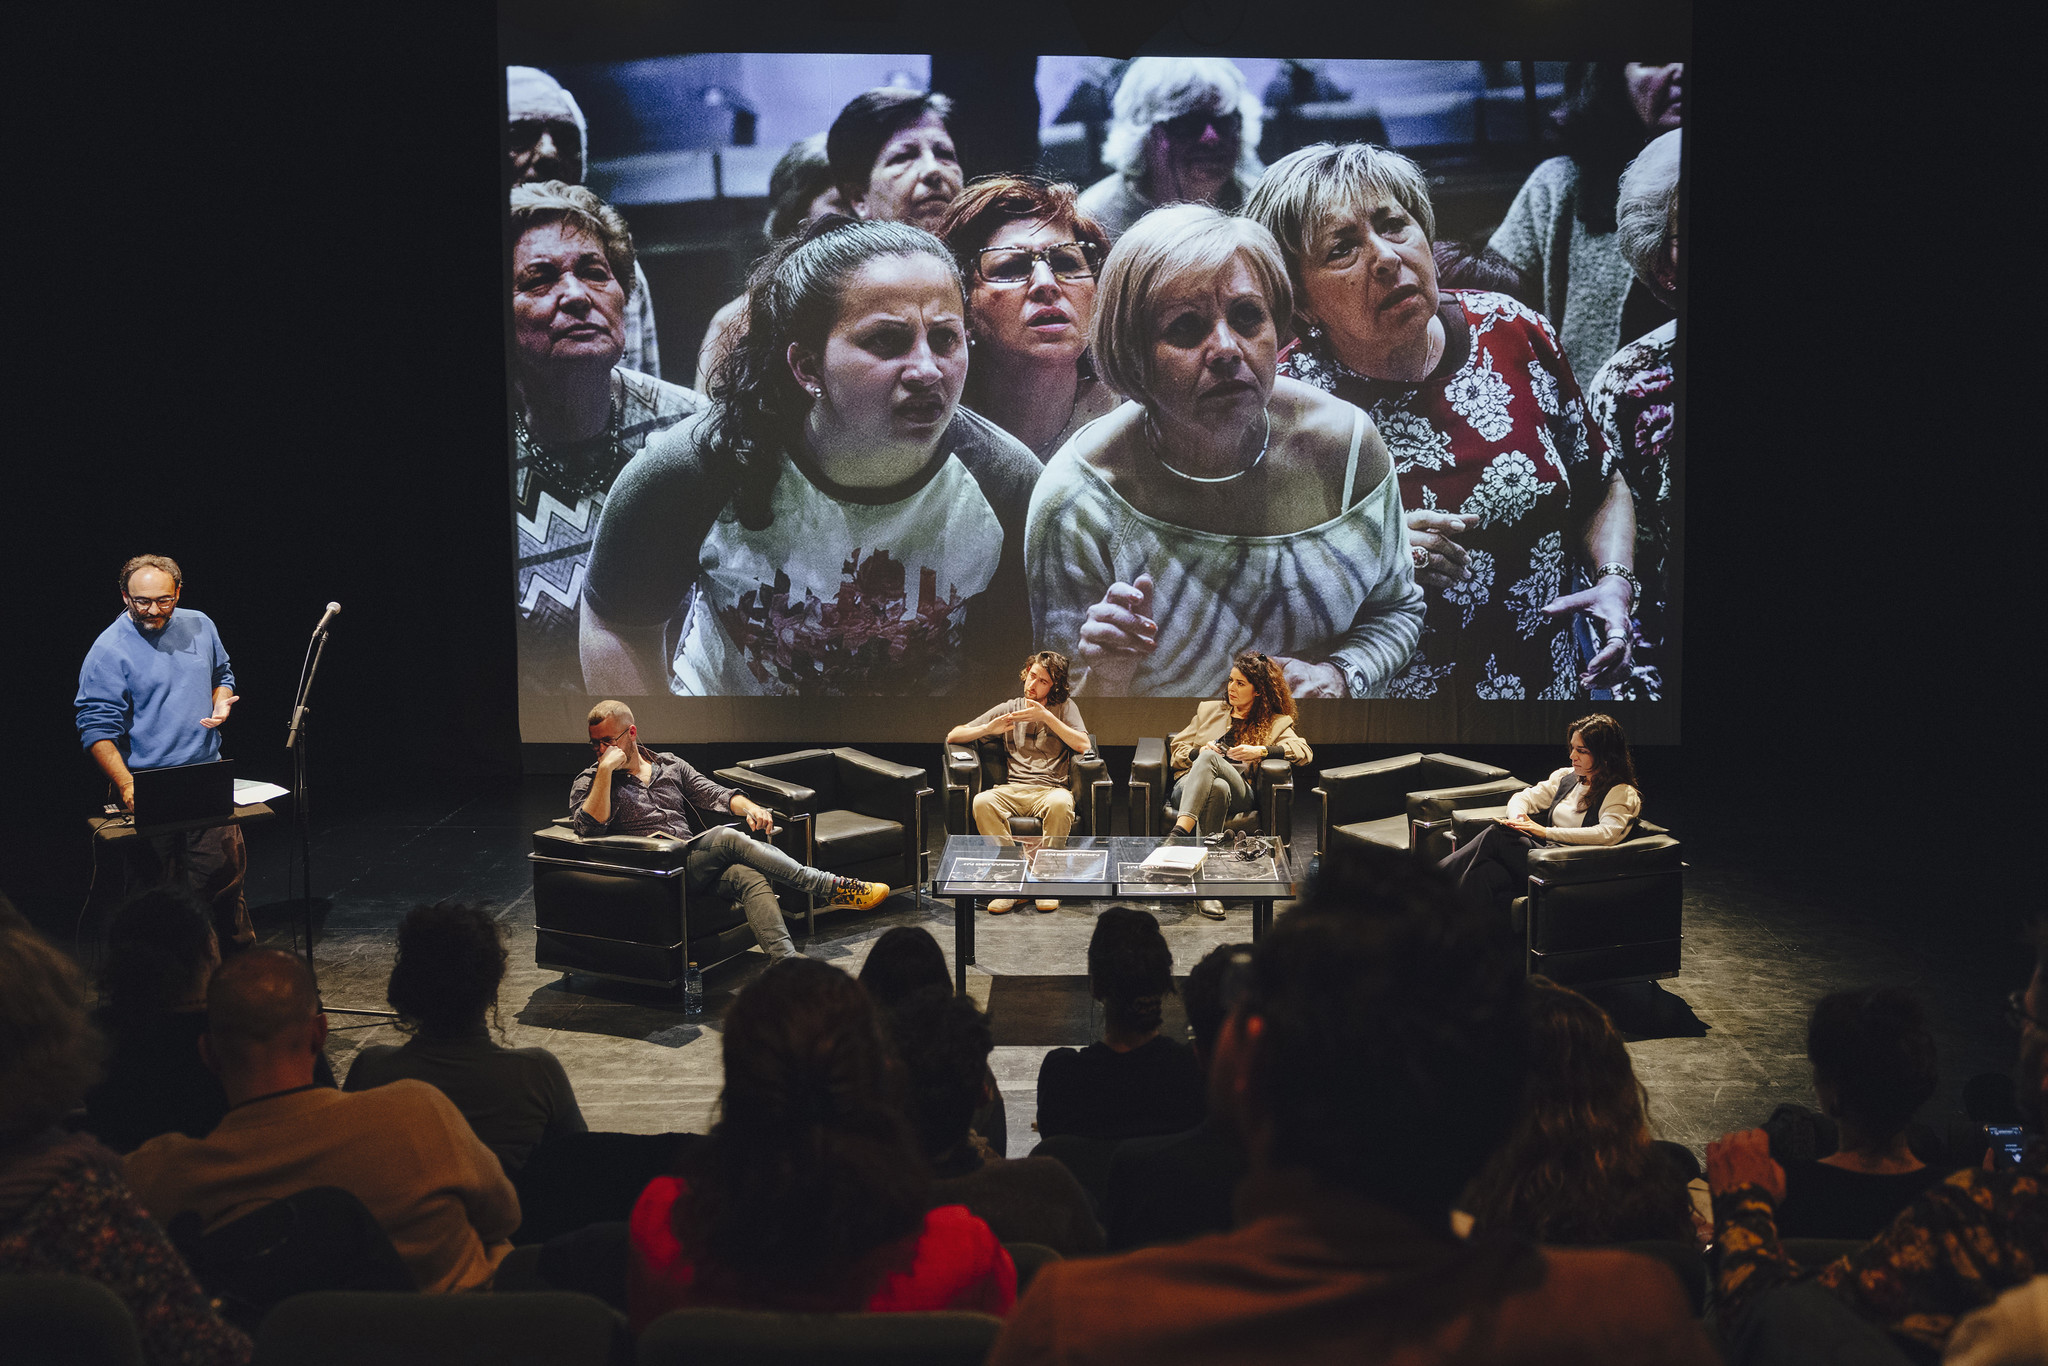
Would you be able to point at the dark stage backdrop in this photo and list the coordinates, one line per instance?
(258, 311)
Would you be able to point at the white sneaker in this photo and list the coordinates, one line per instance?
(1212, 909)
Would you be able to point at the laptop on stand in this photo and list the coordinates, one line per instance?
(189, 797)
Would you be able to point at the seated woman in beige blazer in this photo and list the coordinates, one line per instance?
(1214, 753)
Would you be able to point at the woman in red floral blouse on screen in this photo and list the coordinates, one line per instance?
(1510, 501)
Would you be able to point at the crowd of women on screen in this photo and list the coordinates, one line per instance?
(948, 423)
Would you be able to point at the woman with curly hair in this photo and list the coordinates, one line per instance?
(809, 1193)
(444, 986)
(835, 524)
(1214, 754)
(1580, 1167)
(1134, 1080)
(1592, 800)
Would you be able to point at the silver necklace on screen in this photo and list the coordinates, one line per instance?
(555, 465)
(1152, 435)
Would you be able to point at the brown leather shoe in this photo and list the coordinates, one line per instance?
(1002, 905)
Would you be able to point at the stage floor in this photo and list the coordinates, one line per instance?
(1717, 1047)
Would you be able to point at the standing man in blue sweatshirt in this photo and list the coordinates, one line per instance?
(154, 690)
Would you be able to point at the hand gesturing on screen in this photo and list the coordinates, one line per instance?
(1440, 562)
(1606, 604)
(1310, 680)
(1117, 634)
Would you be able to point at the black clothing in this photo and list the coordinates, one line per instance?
(1822, 1201)
(1097, 1092)
(1172, 1188)
(670, 804)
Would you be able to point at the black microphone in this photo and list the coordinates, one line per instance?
(333, 609)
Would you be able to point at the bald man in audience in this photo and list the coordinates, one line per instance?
(404, 1150)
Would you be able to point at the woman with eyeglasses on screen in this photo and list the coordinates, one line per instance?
(1223, 509)
(1030, 260)
(1592, 800)
(1213, 755)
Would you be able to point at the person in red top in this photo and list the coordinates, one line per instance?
(809, 1194)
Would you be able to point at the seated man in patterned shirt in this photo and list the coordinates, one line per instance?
(632, 790)
(1952, 1251)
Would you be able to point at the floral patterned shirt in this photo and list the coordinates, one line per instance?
(1633, 403)
(1499, 432)
(82, 1220)
(1952, 1250)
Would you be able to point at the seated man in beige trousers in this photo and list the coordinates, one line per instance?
(1042, 731)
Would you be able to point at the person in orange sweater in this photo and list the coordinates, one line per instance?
(404, 1150)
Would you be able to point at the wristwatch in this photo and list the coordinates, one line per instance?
(1356, 684)
(1622, 571)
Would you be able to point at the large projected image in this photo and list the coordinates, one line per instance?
(866, 375)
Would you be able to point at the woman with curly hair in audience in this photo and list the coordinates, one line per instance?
(905, 961)
(1134, 1080)
(809, 1193)
(444, 986)
(1580, 1167)
(65, 1209)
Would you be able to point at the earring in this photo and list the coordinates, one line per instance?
(814, 391)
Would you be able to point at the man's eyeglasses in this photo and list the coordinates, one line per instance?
(2016, 1012)
(600, 741)
(1187, 127)
(1070, 261)
(154, 604)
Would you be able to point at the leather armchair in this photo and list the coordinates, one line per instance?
(1406, 802)
(1595, 915)
(1152, 776)
(967, 770)
(841, 810)
(615, 906)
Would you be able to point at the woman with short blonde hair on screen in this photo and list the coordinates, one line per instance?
(1223, 509)
(834, 524)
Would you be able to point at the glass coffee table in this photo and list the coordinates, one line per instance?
(975, 867)
(1267, 877)
(1096, 868)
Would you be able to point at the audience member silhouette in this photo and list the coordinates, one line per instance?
(1170, 1188)
(1372, 1058)
(944, 1043)
(1133, 1080)
(906, 960)
(65, 1208)
(1579, 1167)
(404, 1150)
(451, 962)
(809, 1193)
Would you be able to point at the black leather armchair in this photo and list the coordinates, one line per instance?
(1406, 802)
(615, 906)
(846, 812)
(1152, 776)
(1596, 915)
(970, 769)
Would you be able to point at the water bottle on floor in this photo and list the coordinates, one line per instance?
(693, 992)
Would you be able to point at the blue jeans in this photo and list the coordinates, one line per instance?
(1211, 791)
(734, 865)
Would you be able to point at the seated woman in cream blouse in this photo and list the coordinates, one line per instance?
(1592, 801)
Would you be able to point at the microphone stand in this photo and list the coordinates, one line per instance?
(295, 741)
